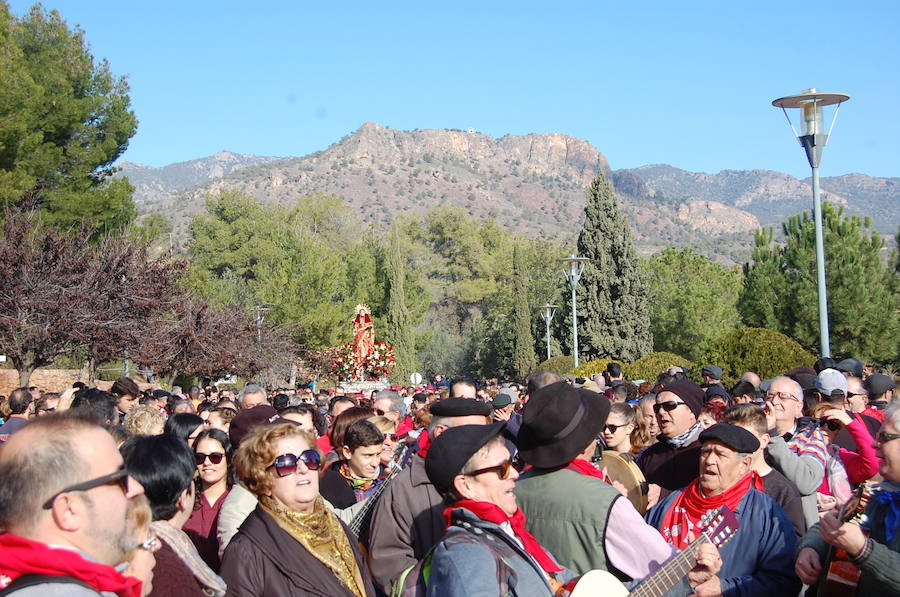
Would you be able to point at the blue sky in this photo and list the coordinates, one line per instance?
(684, 83)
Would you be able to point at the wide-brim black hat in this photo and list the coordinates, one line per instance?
(558, 422)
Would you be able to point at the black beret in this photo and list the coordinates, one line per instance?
(449, 453)
(852, 366)
(878, 383)
(736, 438)
(501, 400)
(460, 407)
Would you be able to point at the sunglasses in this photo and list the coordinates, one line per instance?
(391, 436)
(667, 406)
(215, 457)
(832, 425)
(884, 437)
(610, 428)
(287, 464)
(501, 469)
(119, 477)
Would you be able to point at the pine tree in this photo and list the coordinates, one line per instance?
(612, 297)
(523, 356)
(780, 290)
(399, 331)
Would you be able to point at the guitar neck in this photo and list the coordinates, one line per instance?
(670, 573)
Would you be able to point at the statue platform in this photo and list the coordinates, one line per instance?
(366, 387)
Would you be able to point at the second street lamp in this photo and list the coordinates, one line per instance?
(547, 312)
(573, 266)
(813, 141)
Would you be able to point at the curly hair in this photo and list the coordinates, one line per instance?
(257, 452)
(142, 419)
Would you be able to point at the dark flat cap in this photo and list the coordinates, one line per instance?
(736, 438)
(713, 371)
(460, 407)
(689, 392)
(851, 366)
(247, 419)
(501, 400)
(452, 449)
(878, 383)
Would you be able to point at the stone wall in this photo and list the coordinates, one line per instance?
(48, 380)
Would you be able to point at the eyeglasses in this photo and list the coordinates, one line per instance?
(883, 437)
(287, 464)
(610, 428)
(391, 436)
(832, 425)
(781, 396)
(501, 469)
(215, 457)
(668, 406)
(120, 478)
(150, 544)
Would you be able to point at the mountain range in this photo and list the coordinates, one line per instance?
(533, 184)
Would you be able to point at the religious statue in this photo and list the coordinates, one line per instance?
(363, 333)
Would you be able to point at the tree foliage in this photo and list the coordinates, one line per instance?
(66, 119)
(693, 300)
(780, 290)
(613, 310)
(765, 352)
(650, 366)
(523, 347)
(399, 330)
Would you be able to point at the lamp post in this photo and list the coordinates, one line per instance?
(547, 312)
(261, 311)
(813, 140)
(573, 266)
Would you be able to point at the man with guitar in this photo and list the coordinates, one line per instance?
(757, 561)
(877, 555)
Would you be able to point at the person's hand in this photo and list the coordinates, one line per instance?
(652, 495)
(838, 414)
(711, 588)
(770, 414)
(808, 566)
(848, 536)
(141, 568)
(708, 565)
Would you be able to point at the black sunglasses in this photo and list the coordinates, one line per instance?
(668, 406)
(609, 427)
(501, 469)
(832, 425)
(287, 464)
(215, 457)
(120, 478)
(884, 436)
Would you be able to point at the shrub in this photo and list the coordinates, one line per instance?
(593, 367)
(765, 352)
(650, 366)
(560, 364)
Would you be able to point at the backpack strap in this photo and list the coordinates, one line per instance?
(31, 580)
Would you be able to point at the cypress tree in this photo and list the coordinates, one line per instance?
(612, 297)
(399, 331)
(523, 354)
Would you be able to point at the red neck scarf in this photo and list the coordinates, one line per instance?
(680, 524)
(492, 513)
(424, 443)
(583, 467)
(20, 556)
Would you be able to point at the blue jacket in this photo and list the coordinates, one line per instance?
(759, 560)
(476, 558)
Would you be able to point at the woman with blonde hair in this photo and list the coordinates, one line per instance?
(291, 544)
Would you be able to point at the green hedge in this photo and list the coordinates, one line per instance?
(765, 352)
(593, 367)
(560, 364)
(650, 366)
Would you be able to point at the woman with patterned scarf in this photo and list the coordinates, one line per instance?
(292, 544)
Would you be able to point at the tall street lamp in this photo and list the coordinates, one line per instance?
(547, 312)
(573, 266)
(813, 140)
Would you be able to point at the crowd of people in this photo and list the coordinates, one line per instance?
(455, 488)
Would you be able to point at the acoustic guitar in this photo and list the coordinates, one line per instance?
(717, 527)
(839, 576)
